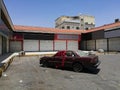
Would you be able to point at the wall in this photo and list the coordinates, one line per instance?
(89, 19)
(112, 33)
(72, 25)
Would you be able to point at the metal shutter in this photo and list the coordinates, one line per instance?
(46, 45)
(72, 45)
(101, 44)
(91, 45)
(15, 46)
(60, 45)
(114, 44)
(31, 45)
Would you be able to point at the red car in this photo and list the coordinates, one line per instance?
(70, 59)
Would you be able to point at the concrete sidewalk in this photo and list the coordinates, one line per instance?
(5, 56)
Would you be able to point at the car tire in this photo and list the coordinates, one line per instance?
(77, 67)
(45, 64)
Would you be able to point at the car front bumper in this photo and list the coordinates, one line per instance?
(93, 66)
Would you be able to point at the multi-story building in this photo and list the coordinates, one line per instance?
(81, 22)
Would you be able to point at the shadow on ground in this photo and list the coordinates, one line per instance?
(89, 71)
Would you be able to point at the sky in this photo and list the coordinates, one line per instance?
(43, 13)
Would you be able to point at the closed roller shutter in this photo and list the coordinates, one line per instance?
(114, 44)
(46, 45)
(83, 45)
(72, 45)
(60, 45)
(91, 45)
(0, 45)
(101, 44)
(15, 46)
(31, 45)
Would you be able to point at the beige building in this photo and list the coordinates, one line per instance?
(75, 22)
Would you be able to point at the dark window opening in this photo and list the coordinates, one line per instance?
(63, 27)
(86, 22)
(68, 27)
(77, 28)
(86, 28)
(81, 19)
(81, 24)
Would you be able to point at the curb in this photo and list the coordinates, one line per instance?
(1, 68)
(0, 72)
(5, 64)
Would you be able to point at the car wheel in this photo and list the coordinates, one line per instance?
(45, 64)
(77, 67)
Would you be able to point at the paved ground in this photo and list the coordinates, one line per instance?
(26, 74)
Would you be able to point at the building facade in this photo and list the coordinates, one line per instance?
(6, 28)
(81, 22)
(15, 38)
(29, 38)
(105, 37)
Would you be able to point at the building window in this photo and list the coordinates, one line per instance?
(63, 27)
(86, 28)
(86, 23)
(92, 23)
(68, 27)
(81, 19)
(81, 24)
(77, 28)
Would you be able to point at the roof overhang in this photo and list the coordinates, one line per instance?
(6, 16)
(19, 28)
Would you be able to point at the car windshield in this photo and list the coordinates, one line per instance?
(82, 53)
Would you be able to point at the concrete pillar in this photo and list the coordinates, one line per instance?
(107, 44)
(0, 44)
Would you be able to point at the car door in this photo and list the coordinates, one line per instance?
(58, 59)
(69, 57)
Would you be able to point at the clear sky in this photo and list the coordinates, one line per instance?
(44, 12)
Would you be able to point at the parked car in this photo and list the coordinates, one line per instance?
(78, 61)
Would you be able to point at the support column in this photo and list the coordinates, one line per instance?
(53, 45)
(66, 44)
(107, 44)
(95, 45)
(86, 44)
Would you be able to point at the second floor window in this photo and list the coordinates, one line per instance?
(68, 27)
